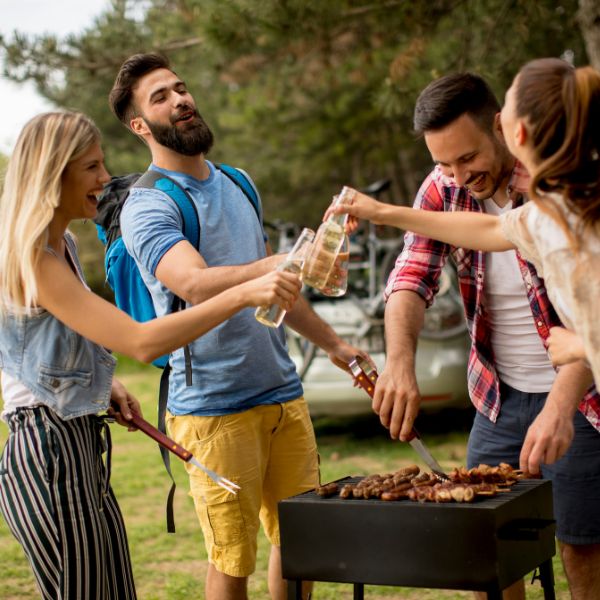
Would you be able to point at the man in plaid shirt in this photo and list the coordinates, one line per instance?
(526, 413)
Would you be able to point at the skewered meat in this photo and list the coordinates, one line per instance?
(398, 492)
(346, 491)
(502, 474)
(328, 490)
(465, 485)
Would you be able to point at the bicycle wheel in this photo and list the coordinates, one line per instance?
(302, 348)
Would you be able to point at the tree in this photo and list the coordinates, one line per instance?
(589, 21)
(306, 95)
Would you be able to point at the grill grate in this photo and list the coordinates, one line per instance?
(471, 546)
(521, 487)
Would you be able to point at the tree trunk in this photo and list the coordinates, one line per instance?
(588, 18)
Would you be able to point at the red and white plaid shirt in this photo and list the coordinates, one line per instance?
(418, 269)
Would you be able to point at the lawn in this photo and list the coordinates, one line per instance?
(172, 566)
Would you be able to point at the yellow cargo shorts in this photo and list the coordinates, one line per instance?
(270, 451)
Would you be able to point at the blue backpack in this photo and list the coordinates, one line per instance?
(123, 275)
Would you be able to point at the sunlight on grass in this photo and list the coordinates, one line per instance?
(172, 567)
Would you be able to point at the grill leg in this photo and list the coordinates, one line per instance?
(494, 593)
(294, 589)
(359, 591)
(547, 579)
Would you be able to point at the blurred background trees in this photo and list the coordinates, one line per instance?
(306, 95)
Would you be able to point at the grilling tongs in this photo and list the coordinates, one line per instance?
(366, 377)
(180, 452)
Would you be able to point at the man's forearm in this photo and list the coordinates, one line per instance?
(570, 385)
(304, 320)
(404, 316)
(208, 282)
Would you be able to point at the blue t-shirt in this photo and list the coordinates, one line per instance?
(240, 363)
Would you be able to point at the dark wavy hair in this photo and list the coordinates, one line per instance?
(131, 71)
(561, 106)
(450, 97)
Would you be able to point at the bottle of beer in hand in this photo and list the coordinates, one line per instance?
(272, 316)
(337, 282)
(326, 247)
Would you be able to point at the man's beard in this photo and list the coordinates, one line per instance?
(505, 161)
(191, 139)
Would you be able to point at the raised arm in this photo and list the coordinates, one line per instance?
(463, 229)
(63, 295)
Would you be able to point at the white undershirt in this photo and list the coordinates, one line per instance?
(15, 395)
(520, 358)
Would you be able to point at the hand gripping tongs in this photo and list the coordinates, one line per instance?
(366, 377)
(179, 451)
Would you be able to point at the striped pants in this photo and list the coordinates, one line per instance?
(56, 498)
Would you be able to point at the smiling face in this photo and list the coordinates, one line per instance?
(473, 158)
(82, 182)
(167, 114)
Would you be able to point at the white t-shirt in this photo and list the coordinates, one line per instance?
(520, 357)
(15, 395)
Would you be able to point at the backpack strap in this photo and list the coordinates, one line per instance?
(152, 179)
(244, 183)
(191, 230)
(155, 180)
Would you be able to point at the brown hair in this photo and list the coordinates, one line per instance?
(131, 71)
(561, 106)
(450, 97)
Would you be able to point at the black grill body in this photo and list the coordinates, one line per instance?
(485, 545)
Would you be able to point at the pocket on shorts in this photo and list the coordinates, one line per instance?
(189, 430)
(223, 513)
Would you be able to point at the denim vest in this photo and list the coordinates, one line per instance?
(65, 371)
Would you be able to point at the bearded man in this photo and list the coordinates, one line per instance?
(243, 414)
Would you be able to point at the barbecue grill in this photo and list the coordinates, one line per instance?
(486, 545)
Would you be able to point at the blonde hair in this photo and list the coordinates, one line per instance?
(32, 192)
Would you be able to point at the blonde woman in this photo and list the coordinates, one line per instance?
(56, 372)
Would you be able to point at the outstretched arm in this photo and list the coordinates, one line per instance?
(463, 229)
(186, 273)
(61, 293)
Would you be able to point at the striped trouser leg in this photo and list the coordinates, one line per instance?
(56, 499)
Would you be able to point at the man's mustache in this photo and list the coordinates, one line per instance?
(185, 111)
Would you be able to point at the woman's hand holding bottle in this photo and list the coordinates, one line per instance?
(278, 287)
(360, 207)
(271, 314)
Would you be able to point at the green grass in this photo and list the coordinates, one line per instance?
(172, 567)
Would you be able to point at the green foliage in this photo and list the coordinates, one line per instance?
(305, 95)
